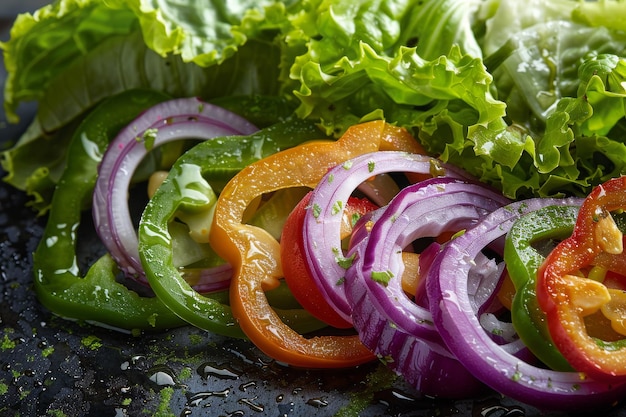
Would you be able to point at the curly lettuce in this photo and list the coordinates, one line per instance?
(526, 96)
(515, 114)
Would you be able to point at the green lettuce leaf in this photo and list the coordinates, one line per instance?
(68, 56)
(43, 44)
(526, 96)
(516, 128)
(36, 162)
(204, 32)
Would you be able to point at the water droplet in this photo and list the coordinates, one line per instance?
(251, 402)
(245, 386)
(194, 399)
(163, 376)
(220, 371)
(317, 402)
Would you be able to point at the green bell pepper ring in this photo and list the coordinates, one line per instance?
(188, 192)
(523, 257)
(97, 298)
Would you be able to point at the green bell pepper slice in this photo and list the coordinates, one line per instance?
(188, 192)
(527, 243)
(97, 297)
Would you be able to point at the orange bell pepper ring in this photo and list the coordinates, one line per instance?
(255, 255)
(572, 292)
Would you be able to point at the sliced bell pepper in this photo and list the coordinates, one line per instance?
(97, 297)
(187, 194)
(569, 294)
(523, 257)
(255, 255)
(296, 270)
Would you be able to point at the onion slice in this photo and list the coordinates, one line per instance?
(494, 364)
(177, 119)
(322, 240)
(426, 209)
(391, 324)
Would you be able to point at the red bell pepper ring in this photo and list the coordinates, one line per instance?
(569, 298)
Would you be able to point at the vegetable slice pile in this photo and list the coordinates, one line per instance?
(525, 97)
(492, 363)
(321, 228)
(173, 120)
(568, 291)
(390, 323)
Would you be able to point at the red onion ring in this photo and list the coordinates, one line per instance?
(390, 323)
(426, 209)
(322, 241)
(491, 363)
(185, 118)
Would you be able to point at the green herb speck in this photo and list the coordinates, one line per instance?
(337, 207)
(164, 405)
(317, 210)
(185, 373)
(196, 339)
(7, 343)
(345, 263)
(149, 137)
(382, 277)
(91, 342)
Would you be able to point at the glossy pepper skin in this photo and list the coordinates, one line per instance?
(189, 189)
(97, 297)
(522, 258)
(569, 297)
(255, 255)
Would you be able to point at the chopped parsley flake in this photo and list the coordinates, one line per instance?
(149, 137)
(92, 342)
(317, 210)
(382, 277)
(345, 263)
(337, 207)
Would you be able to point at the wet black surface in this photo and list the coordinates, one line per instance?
(53, 367)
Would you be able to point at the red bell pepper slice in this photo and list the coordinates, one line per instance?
(572, 297)
(295, 266)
